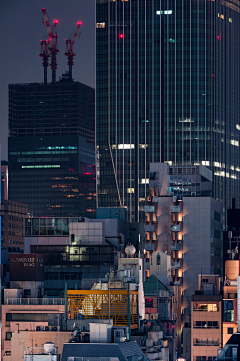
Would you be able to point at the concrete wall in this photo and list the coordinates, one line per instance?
(11, 326)
(20, 341)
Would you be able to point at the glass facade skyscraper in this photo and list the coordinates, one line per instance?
(167, 90)
(60, 108)
(51, 149)
(55, 176)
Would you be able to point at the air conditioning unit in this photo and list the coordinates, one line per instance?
(38, 328)
(46, 328)
(55, 328)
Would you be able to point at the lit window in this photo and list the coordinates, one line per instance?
(130, 190)
(100, 25)
(145, 181)
(165, 12)
(126, 146)
(237, 126)
(234, 142)
(205, 162)
(41, 166)
(230, 20)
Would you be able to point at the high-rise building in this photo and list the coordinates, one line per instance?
(54, 175)
(51, 148)
(60, 108)
(167, 90)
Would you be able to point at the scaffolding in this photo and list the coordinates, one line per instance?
(94, 304)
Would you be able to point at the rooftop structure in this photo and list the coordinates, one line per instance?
(119, 351)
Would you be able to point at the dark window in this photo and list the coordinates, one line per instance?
(27, 293)
(230, 330)
(8, 335)
(8, 317)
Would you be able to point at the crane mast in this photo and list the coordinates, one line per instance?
(51, 45)
(69, 48)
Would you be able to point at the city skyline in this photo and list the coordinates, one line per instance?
(23, 29)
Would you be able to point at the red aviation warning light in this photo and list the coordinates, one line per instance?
(120, 36)
(69, 48)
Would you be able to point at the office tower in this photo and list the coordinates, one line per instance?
(54, 175)
(51, 148)
(167, 90)
(60, 108)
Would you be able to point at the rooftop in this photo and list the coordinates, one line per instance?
(122, 350)
(153, 285)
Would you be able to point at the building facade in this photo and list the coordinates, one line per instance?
(206, 335)
(12, 216)
(59, 108)
(4, 180)
(54, 175)
(166, 90)
(189, 229)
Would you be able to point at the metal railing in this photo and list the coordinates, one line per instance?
(35, 301)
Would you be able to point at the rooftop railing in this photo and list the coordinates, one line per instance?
(35, 301)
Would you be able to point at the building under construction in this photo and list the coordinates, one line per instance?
(51, 147)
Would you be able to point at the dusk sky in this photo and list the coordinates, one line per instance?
(21, 32)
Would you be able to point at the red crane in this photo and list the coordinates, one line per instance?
(51, 45)
(69, 48)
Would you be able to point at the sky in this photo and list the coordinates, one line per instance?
(21, 31)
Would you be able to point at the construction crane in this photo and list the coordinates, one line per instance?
(69, 48)
(49, 44)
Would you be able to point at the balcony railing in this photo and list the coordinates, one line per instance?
(35, 301)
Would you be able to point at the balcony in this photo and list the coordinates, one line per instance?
(175, 209)
(150, 228)
(149, 209)
(175, 246)
(175, 227)
(35, 301)
(149, 247)
(175, 265)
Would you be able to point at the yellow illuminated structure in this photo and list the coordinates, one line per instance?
(94, 304)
